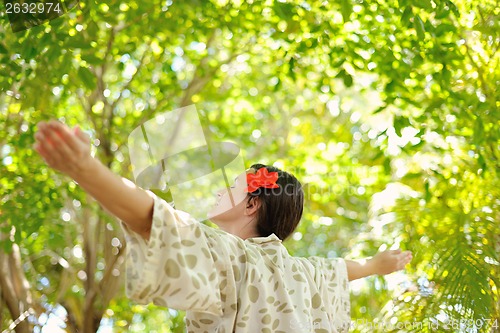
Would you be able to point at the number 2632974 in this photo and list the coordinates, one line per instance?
(33, 8)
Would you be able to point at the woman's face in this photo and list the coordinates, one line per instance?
(231, 201)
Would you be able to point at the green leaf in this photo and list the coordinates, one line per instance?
(425, 4)
(346, 10)
(3, 50)
(28, 51)
(445, 28)
(400, 122)
(419, 26)
(77, 42)
(88, 79)
(380, 109)
(407, 14)
(346, 77)
(442, 11)
(403, 3)
(478, 131)
(92, 59)
(284, 10)
(348, 80)
(291, 71)
(92, 28)
(453, 8)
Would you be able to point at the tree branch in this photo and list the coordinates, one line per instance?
(129, 82)
(15, 288)
(90, 227)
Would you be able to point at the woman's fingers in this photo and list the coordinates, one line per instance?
(39, 136)
(401, 259)
(39, 149)
(406, 257)
(53, 145)
(81, 135)
(65, 136)
(409, 256)
(62, 148)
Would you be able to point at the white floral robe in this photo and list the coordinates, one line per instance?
(227, 284)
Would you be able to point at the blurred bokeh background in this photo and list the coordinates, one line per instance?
(387, 110)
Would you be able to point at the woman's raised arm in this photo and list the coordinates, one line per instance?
(68, 151)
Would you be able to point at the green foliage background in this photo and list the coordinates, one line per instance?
(387, 110)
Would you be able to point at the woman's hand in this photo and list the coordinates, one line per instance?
(64, 149)
(389, 261)
(382, 263)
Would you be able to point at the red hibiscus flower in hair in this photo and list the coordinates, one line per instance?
(262, 178)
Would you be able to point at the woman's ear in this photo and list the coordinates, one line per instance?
(253, 205)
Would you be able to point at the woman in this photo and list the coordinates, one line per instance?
(238, 278)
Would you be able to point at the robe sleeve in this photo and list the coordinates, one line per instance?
(176, 267)
(335, 288)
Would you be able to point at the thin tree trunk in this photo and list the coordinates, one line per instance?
(15, 289)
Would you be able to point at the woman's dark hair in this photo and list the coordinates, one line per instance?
(281, 208)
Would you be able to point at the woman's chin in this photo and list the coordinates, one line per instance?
(216, 214)
(212, 214)
(221, 212)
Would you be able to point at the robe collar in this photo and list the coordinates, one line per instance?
(262, 240)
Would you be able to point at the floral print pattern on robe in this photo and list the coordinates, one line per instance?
(227, 284)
